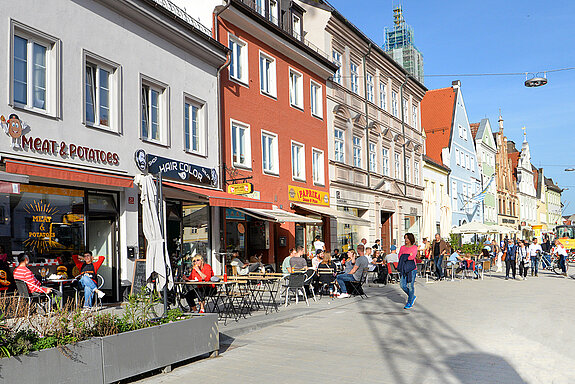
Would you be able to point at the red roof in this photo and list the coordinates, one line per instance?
(436, 118)
(514, 156)
(474, 128)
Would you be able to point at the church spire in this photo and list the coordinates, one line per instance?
(500, 121)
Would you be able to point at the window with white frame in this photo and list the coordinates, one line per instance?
(372, 157)
(270, 157)
(336, 56)
(101, 92)
(274, 11)
(316, 94)
(154, 112)
(296, 26)
(467, 161)
(267, 75)
(34, 76)
(385, 161)
(357, 151)
(464, 132)
(260, 8)
(457, 156)
(460, 130)
(339, 145)
(454, 195)
(462, 158)
(298, 161)
(241, 148)
(414, 116)
(318, 167)
(194, 127)
(370, 89)
(416, 172)
(239, 59)
(295, 88)
(354, 75)
(394, 106)
(396, 166)
(405, 109)
(408, 170)
(382, 96)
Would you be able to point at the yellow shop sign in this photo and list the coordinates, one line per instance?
(306, 195)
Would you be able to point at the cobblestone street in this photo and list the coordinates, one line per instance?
(490, 331)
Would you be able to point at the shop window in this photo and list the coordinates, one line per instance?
(195, 223)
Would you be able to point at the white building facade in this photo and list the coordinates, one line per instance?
(526, 191)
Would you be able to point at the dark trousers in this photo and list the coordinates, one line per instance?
(382, 274)
(509, 264)
(562, 262)
(438, 261)
(534, 265)
(523, 269)
(199, 293)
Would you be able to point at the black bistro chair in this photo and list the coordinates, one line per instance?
(296, 282)
(41, 300)
(355, 288)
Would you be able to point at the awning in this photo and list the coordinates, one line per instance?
(340, 216)
(220, 198)
(13, 178)
(279, 216)
(61, 173)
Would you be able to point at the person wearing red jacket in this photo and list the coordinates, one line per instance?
(88, 276)
(201, 271)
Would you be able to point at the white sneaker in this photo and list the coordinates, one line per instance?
(99, 293)
(343, 295)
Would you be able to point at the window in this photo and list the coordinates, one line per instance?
(467, 161)
(456, 156)
(385, 161)
(370, 90)
(454, 195)
(372, 158)
(241, 150)
(270, 158)
(336, 56)
(414, 119)
(267, 75)
(239, 59)
(339, 145)
(460, 130)
(405, 109)
(416, 172)
(154, 112)
(408, 170)
(259, 4)
(274, 11)
(462, 158)
(296, 26)
(34, 75)
(101, 93)
(357, 151)
(394, 106)
(382, 96)
(297, 161)
(315, 99)
(193, 127)
(354, 77)
(396, 166)
(296, 89)
(464, 133)
(318, 167)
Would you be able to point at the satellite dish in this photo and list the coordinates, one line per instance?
(536, 81)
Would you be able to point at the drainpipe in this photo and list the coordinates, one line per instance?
(403, 132)
(366, 110)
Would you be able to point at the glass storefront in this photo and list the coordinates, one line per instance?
(411, 225)
(347, 234)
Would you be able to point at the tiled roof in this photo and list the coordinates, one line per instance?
(439, 165)
(436, 118)
(474, 128)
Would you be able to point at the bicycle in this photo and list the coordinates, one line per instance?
(552, 263)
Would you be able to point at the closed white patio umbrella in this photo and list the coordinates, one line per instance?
(156, 255)
(445, 219)
(471, 228)
(427, 226)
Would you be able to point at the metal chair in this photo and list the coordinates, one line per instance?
(80, 292)
(326, 278)
(32, 297)
(394, 272)
(355, 288)
(296, 285)
(310, 275)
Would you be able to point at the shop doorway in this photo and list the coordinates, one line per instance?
(386, 226)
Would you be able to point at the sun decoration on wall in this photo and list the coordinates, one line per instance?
(40, 238)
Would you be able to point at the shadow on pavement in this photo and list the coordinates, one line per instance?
(482, 368)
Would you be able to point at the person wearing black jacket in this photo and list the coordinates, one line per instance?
(510, 258)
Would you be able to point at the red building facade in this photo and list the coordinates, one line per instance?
(274, 130)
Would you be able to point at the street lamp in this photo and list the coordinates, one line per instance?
(569, 169)
(536, 81)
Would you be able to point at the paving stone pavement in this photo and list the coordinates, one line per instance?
(473, 331)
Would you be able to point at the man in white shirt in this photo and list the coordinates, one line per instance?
(318, 244)
(371, 266)
(244, 268)
(317, 259)
(562, 253)
(392, 257)
(534, 250)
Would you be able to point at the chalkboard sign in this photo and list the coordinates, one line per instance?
(139, 277)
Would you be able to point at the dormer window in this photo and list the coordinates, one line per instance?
(296, 26)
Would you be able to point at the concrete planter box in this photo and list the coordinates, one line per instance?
(113, 358)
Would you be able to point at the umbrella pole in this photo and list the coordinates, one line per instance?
(161, 214)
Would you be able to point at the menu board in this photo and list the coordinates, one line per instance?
(139, 278)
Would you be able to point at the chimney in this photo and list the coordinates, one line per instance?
(456, 84)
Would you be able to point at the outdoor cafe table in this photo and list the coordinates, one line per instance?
(61, 283)
(224, 293)
(258, 286)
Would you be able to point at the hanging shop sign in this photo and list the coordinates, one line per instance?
(306, 195)
(182, 171)
(18, 131)
(240, 188)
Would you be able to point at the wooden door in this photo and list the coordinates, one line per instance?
(386, 226)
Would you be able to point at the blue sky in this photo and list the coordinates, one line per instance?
(460, 37)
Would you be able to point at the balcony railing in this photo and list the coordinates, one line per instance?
(181, 13)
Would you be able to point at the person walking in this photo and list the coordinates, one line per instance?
(408, 269)
(534, 251)
(522, 259)
(510, 258)
(438, 250)
(562, 253)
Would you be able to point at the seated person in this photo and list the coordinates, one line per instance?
(297, 263)
(326, 271)
(336, 255)
(455, 260)
(87, 278)
(22, 272)
(201, 271)
(286, 269)
(392, 257)
(319, 255)
(378, 261)
(371, 266)
(65, 265)
(358, 264)
(244, 268)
